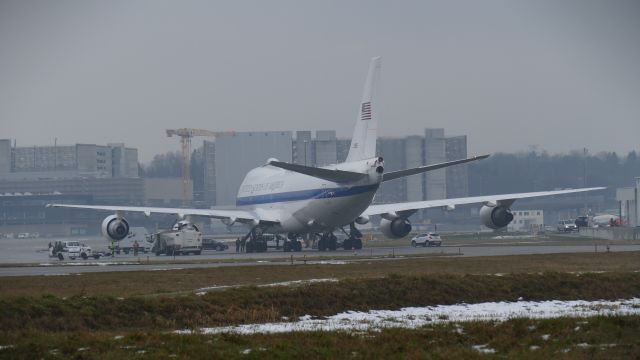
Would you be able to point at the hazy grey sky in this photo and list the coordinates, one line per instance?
(560, 75)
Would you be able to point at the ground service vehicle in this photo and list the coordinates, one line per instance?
(136, 234)
(183, 239)
(72, 250)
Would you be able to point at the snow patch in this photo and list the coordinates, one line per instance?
(166, 269)
(204, 290)
(328, 262)
(484, 349)
(414, 317)
(299, 282)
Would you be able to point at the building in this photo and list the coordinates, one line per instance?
(435, 182)
(325, 150)
(166, 192)
(526, 220)
(302, 148)
(392, 150)
(628, 205)
(67, 161)
(209, 164)
(236, 154)
(414, 157)
(319, 151)
(457, 177)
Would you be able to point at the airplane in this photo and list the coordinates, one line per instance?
(285, 198)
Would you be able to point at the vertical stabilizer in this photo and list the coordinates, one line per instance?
(363, 142)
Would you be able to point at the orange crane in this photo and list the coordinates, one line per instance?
(185, 140)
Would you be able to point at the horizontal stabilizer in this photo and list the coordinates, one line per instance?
(338, 176)
(402, 173)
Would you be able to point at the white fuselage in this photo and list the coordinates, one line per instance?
(307, 204)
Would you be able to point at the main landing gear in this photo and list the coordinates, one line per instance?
(354, 238)
(292, 243)
(327, 241)
(254, 242)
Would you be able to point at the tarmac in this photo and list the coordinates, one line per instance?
(29, 257)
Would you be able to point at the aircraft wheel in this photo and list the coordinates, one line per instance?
(322, 244)
(357, 244)
(332, 242)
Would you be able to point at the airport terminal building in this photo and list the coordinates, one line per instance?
(32, 176)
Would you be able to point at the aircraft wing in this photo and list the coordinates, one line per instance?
(233, 215)
(409, 208)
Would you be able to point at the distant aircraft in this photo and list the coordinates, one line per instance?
(292, 199)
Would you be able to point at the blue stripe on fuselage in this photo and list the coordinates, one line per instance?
(305, 195)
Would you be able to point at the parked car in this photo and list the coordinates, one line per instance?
(567, 226)
(427, 239)
(213, 244)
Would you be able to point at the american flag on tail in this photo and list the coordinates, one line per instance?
(366, 111)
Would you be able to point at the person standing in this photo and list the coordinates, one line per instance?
(135, 247)
(237, 245)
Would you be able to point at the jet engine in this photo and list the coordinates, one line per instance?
(396, 228)
(495, 217)
(115, 228)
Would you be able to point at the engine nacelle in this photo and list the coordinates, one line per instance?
(362, 220)
(115, 228)
(396, 228)
(495, 217)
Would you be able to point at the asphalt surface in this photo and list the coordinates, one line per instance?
(16, 254)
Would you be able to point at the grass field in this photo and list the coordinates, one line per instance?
(564, 338)
(54, 316)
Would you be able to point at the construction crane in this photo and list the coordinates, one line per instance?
(185, 141)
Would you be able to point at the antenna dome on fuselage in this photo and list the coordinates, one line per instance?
(271, 159)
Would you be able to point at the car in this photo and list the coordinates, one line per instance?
(567, 226)
(426, 239)
(212, 244)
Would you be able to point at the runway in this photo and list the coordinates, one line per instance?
(41, 265)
